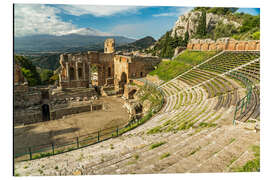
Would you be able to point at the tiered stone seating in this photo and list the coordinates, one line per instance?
(229, 60)
(215, 149)
(193, 129)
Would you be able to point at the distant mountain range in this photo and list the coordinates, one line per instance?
(137, 45)
(76, 40)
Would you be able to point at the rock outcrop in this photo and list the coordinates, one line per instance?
(189, 23)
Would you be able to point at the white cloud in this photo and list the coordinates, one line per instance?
(177, 12)
(78, 10)
(38, 19)
(33, 19)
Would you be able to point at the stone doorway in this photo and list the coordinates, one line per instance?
(131, 94)
(123, 82)
(45, 112)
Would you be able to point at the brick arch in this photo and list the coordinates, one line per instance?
(72, 73)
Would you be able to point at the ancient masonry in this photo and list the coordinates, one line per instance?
(223, 44)
(75, 92)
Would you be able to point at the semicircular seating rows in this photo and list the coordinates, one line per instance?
(192, 133)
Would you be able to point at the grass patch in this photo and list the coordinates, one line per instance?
(130, 162)
(136, 156)
(232, 140)
(193, 152)
(252, 165)
(111, 146)
(153, 146)
(40, 171)
(155, 130)
(41, 155)
(165, 155)
(204, 124)
(167, 70)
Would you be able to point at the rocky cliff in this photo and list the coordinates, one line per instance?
(189, 23)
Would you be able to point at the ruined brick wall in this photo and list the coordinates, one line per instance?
(109, 46)
(74, 70)
(132, 67)
(18, 76)
(223, 44)
(27, 106)
(105, 69)
(121, 64)
(59, 113)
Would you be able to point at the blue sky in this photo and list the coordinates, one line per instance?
(130, 21)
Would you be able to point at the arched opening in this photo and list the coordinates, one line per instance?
(131, 94)
(141, 74)
(80, 73)
(72, 73)
(138, 108)
(97, 89)
(45, 112)
(123, 81)
(109, 72)
(124, 77)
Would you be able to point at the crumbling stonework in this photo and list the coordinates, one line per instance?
(109, 46)
(223, 44)
(74, 94)
(34, 104)
(127, 68)
(18, 76)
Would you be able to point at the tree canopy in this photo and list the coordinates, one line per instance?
(29, 70)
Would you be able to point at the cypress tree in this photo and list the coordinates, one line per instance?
(201, 32)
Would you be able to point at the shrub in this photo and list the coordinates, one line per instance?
(165, 155)
(153, 146)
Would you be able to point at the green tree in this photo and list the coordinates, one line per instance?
(201, 31)
(186, 38)
(29, 70)
(250, 22)
(45, 76)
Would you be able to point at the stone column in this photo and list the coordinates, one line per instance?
(67, 72)
(60, 78)
(77, 73)
(84, 71)
(89, 75)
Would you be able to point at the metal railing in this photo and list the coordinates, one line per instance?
(43, 150)
(243, 103)
(39, 151)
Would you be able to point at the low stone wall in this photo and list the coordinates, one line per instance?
(27, 117)
(137, 82)
(59, 113)
(223, 44)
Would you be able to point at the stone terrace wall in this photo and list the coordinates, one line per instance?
(223, 44)
(59, 113)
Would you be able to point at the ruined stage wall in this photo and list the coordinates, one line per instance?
(223, 44)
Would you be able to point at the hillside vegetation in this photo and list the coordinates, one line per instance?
(45, 61)
(248, 28)
(167, 70)
(137, 45)
(34, 75)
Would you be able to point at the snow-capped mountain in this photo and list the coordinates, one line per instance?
(86, 32)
